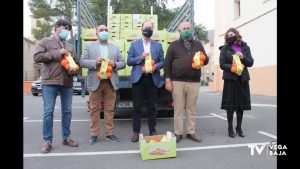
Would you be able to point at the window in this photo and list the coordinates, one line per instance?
(237, 9)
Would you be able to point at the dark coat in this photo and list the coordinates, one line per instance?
(226, 61)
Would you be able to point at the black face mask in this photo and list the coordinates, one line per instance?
(147, 32)
(231, 40)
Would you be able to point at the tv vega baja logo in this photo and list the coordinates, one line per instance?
(273, 149)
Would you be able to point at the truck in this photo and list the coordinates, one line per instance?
(124, 29)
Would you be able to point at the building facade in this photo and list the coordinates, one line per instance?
(31, 71)
(256, 21)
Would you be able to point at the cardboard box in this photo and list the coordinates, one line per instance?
(153, 147)
(115, 17)
(126, 17)
(88, 33)
(138, 17)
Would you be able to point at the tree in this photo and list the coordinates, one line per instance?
(201, 33)
(43, 30)
(99, 9)
(50, 11)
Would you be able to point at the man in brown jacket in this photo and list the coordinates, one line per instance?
(184, 81)
(56, 79)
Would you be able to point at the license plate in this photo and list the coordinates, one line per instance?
(124, 104)
(39, 88)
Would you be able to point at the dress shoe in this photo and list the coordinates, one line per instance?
(193, 137)
(240, 133)
(178, 137)
(231, 133)
(135, 137)
(69, 142)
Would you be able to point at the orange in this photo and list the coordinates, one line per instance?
(108, 74)
(153, 68)
(76, 68)
(67, 67)
(201, 63)
(98, 74)
(109, 69)
(152, 62)
(194, 65)
(144, 69)
(233, 68)
(202, 57)
(63, 62)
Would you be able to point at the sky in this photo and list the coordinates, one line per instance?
(204, 13)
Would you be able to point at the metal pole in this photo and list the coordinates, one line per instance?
(78, 28)
(108, 4)
(192, 15)
(151, 9)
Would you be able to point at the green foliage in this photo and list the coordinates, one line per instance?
(50, 11)
(99, 9)
(201, 33)
(43, 30)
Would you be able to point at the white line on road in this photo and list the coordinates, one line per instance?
(138, 151)
(25, 118)
(221, 117)
(263, 105)
(164, 118)
(213, 94)
(79, 101)
(267, 134)
(74, 107)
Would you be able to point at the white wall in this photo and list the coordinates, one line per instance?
(257, 25)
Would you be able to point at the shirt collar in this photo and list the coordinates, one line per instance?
(144, 41)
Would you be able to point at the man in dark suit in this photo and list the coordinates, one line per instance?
(144, 85)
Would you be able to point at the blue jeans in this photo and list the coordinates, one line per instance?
(50, 93)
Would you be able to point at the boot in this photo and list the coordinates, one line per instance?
(230, 128)
(239, 118)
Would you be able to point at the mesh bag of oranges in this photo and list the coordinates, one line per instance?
(69, 64)
(237, 67)
(105, 71)
(149, 65)
(198, 60)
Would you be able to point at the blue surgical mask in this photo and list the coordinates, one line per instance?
(63, 34)
(103, 35)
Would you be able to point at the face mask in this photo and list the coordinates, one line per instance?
(186, 34)
(231, 40)
(147, 32)
(63, 34)
(103, 35)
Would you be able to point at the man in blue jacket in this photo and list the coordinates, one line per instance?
(144, 86)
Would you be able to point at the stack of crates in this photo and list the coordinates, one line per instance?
(114, 26)
(126, 22)
(137, 21)
(153, 19)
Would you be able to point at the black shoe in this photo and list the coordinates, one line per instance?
(240, 133)
(135, 137)
(178, 137)
(193, 137)
(153, 133)
(93, 140)
(231, 133)
(112, 138)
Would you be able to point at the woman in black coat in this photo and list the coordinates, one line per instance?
(236, 92)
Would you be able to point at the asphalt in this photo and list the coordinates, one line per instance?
(216, 151)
